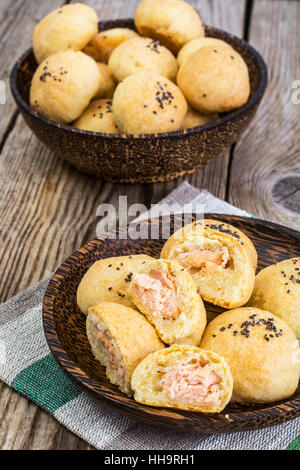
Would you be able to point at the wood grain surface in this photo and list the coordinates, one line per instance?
(48, 209)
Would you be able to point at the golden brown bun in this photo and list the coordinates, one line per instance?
(103, 44)
(98, 117)
(138, 54)
(215, 79)
(131, 336)
(192, 46)
(263, 354)
(108, 280)
(277, 289)
(57, 90)
(228, 287)
(172, 22)
(188, 327)
(193, 119)
(68, 27)
(146, 103)
(107, 84)
(146, 379)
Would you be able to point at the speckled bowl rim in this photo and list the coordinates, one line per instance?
(139, 411)
(234, 115)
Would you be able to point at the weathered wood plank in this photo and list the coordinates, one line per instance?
(17, 20)
(266, 164)
(48, 209)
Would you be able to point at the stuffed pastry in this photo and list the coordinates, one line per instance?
(261, 350)
(164, 292)
(120, 338)
(184, 377)
(277, 289)
(220, 258)
(107, 280)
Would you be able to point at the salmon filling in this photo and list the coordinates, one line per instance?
(157, 291)
(106, 342)
(202, 257)
(192, 383)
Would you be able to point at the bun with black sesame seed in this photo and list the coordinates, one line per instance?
(98, 117)
(215, 79)
(166, 294)
(220, 258)
(277, 289)
(120, 338)
(261, 350)
(68, 27)
(147, 103)
(138, 54)
(57, 90)
(107, 280)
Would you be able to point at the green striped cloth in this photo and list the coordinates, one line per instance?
(27, 365)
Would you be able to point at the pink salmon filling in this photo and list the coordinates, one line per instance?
(106, 341)
(199, 258)
(192, 383)
(157, 291)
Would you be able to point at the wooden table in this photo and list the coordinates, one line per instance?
(48, 209)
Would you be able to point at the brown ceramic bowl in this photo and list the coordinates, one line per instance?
(64, 327)
(144, 158)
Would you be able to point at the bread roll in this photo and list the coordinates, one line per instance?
(193, 119)
(120, 338)
(57, 90)
(183, 377)
(107, 83)
(98, 117)
(172, 22)
(277, 289)
(68, 27)
(108, 280)
(166, 294)
(192, 46)
(220, 258)
(215, 79)
(261, 351)
(103, 44)
(146, 103)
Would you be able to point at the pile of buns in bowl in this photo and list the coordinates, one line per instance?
(165, 77)
(147, 324)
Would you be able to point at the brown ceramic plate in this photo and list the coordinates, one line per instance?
(64, 327)
(144, 158)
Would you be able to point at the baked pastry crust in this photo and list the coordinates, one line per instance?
(138, 54)
(98, 117)
(277, 289)
(228, 284)
(108, 280)
(103, 44)
(128, 338)
(186, 326)
(107, 84)
(215, 79)
(70, 26)
(261, 351)
(192, 46)
(147, 103)
(56, 89)
(193, 119)
(172, 22)
(147, 378)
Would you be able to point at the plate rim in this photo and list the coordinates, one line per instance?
(238, 421)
